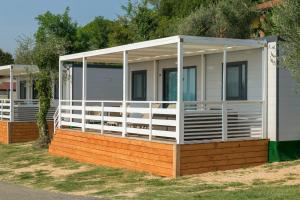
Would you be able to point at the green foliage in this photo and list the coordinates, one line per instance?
(25, 51)
(5, 58)
(44, 88)
(227, 18)
(94, 35)
(286, 24)
(55, 36)
(60, 26)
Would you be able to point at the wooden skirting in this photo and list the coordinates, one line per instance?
(199, 158)
(17, 132)
(159, 158)
(4, 139)
(133, 154)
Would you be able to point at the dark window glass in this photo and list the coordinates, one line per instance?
(34, 90)
(23, 89)
(139, 85)
(56, 90)
(189, 84)
(236, 83)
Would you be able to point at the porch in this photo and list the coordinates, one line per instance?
(183, 106)
(20, 102)
(19, 105)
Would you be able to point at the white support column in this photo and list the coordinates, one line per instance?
(125, 91)
(84, 71)
(203, 78)
(18, 87)
(224, 102)
(155, 80)
(11, 93)
(60, 96)
(265, 91)
(180, 103)
(28, 88)
(70, 84)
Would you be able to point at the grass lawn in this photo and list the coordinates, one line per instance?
(21, 164)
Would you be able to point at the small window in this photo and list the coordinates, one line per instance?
(236, 81)
(23, 89)
(139, 85)
(34, 90)
(56, 90)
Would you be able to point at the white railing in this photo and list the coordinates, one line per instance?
(56, 119)
(203, 121)
(5, 109)
(230, 120)
(26, 103)
(150, 119)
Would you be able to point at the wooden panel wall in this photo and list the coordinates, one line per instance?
(4, 132)
(25, 131)
(200, 158)
(140, 155)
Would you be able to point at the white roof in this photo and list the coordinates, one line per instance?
(18, 70)
(164, 48)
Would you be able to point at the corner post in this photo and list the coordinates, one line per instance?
(84, 70)
(224, 102)
(125, 92)
(60, 66)
(180, 103)
(264, 104)
(11, 89)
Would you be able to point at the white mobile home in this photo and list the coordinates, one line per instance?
(208, 103)
(19, 99)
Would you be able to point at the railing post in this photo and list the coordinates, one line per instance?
(150, 121)
(124, 132)
(2, 109)
(102, 117)
(224, 121)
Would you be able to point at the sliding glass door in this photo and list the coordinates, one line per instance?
(189, 84)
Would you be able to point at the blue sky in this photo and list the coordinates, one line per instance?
(17, 17)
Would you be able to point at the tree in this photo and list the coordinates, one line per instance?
(227, 18)
(24, 52)
(60, 26)
(5, 58)
(286, 24)
(55, 36)
(46, 57)
(94, 35)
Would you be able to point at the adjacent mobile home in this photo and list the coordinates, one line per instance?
(19, 99)
(19, 104)
(189, 105)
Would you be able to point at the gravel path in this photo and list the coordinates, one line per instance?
(15, 192)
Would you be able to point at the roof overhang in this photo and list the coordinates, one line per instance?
(18, 70)
(164, 48)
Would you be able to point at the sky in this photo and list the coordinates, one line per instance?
(17, 17)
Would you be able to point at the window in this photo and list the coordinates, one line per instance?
(139, 85)
(34, 90)
(23, 89)
(56, 90)
(236, 81)
(189, 84)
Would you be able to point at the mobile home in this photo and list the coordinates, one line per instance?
(189, 105)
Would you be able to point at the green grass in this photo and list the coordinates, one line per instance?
(22, 164)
